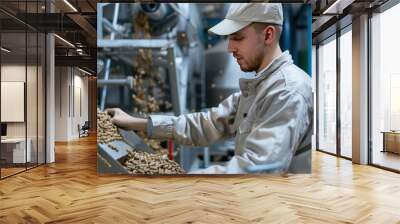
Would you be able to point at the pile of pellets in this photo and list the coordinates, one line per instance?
(156, 146)
(150, 164)
(148, 84)
(106, 130)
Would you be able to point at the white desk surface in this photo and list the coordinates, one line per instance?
(13, 140)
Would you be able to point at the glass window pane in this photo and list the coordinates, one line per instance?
(346, 94)
(41, 98)
(327, 97)
(22, 71)
(13, 85)
(385, 89)
(31, 101)
(15, 148)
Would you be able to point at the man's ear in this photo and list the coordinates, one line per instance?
(269, 34)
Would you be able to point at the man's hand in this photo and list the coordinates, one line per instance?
(125, 121)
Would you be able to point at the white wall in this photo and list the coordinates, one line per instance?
(33, 127)
(80, 100)
(61, 103)
(71, 93)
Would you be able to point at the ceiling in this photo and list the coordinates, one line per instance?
(72, 20)
(77, 24)
(328, 15)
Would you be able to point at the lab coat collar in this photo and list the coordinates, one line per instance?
(248, 85)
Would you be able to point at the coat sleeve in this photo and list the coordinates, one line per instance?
(196, 129)
(281, 123)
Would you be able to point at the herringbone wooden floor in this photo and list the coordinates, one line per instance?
(70, 191)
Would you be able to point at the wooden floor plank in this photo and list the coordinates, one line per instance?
(70, 191)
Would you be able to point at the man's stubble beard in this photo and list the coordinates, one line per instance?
(253, 67)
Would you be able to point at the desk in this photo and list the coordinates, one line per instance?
(13, 150)
(391, 141)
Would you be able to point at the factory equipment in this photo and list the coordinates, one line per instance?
(163, 53)
(123, 152)
(222, 74)
(110, 156)
(151, 59)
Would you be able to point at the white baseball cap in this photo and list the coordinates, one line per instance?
(242, 14)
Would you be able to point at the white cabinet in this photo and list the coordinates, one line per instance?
(18, 152)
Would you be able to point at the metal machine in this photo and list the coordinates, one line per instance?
(157, 39)
(111, 161)
(171, 37)
(190, 71)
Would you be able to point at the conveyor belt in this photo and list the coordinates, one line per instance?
(110, 160)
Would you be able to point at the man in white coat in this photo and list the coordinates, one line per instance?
(271, 116)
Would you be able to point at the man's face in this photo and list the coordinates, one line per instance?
(247, 46)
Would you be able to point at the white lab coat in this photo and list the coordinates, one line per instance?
(270, 118)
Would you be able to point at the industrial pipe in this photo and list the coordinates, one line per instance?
(155, 11)
(129, 81)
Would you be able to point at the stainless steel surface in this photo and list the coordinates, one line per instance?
(173, 78)
(115, 29)
(155, 11)
(134, 43)
(222, 74)
(135, 141)
(128, 81)
(108, 62)
(179, 54)
(110, 160)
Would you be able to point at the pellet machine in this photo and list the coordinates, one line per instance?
(111, 156)
(151, 60)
